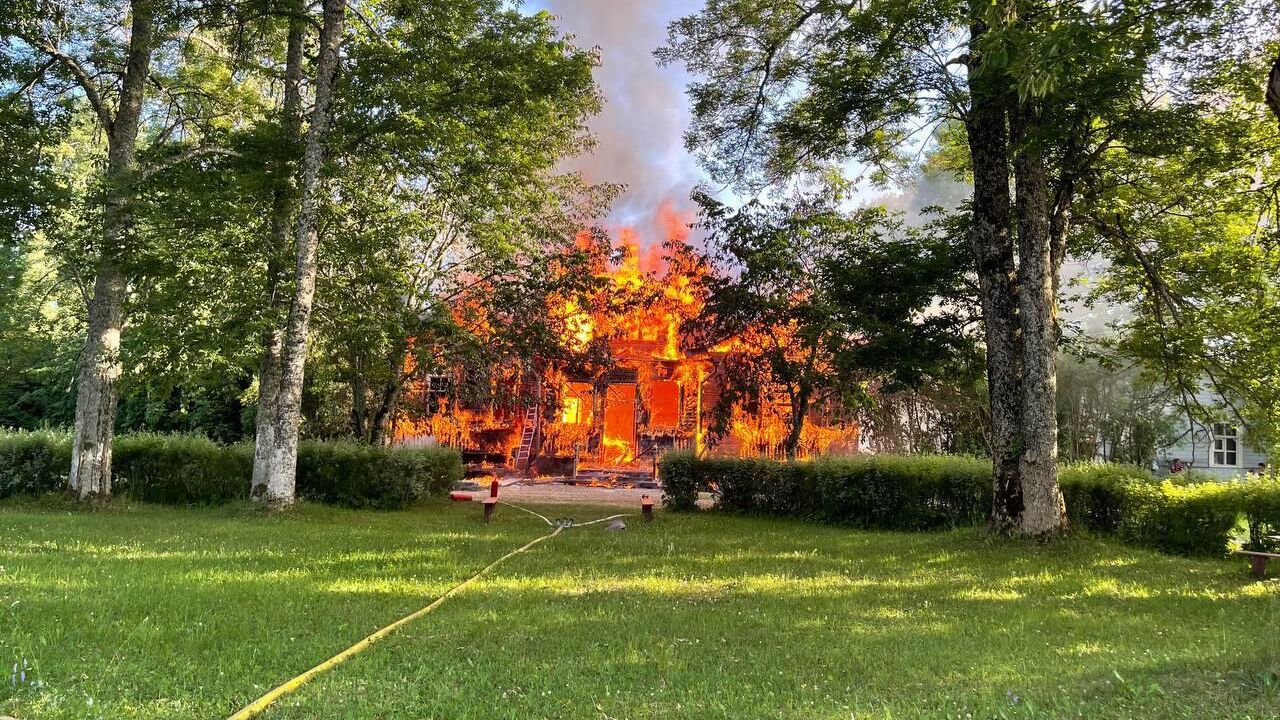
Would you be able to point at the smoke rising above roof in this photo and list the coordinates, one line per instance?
(640, 130)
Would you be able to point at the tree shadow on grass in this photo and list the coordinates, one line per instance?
(822, 623)
(694, 616)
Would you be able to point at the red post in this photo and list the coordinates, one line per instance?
(489, 504)
(646, 508)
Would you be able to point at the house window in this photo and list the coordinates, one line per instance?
(1226, 445)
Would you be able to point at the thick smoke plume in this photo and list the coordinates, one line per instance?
(640, 131)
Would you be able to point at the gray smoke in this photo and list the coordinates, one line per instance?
(640, 130)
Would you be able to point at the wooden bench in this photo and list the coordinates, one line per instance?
(1257, 560)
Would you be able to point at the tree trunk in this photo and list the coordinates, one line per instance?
(992, 247)
(380, 424)
(100, 363)
(276, 467)
(799, 409)
(359, 406)
(283, 204)
(1273, 88)
(1043, 508)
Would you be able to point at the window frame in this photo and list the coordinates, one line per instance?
(1220, 434)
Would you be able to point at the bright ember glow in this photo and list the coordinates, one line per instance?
(655, 392)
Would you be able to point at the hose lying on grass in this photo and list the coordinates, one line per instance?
(257, 707)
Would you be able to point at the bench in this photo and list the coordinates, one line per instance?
(1257, 560)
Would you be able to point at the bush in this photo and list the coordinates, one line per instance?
(180, 469)
(33, 463)
(1187, 519)
(865, 491)
(361, 476)
(193, 470)
(679, 487)
(927, 492)
(1259, 498)
(1096, 494)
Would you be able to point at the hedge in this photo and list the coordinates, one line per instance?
(930, 492)
(192, 470)
(356, 475)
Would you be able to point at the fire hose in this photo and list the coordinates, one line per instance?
(257, 707)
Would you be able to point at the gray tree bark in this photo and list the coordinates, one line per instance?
(100, 362)
(1273, 88)
(992, 246)
(1043, 509)
(284, 204)
(275, 465)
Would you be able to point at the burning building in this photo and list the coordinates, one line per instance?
(652, 394)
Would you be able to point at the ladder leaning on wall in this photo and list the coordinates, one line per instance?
(528, 432)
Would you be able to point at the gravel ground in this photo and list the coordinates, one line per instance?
(557, 493)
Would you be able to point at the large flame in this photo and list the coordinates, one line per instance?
(655, 392)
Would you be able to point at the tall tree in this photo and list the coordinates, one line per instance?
(787, 88)
(284, 202)
(1184, 211)
(821, 302)
(448, 122)
(275, 463)
(113, 81)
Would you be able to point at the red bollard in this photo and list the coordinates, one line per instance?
(646, 508)
(489, 504)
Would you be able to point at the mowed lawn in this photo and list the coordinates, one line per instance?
(149, 612)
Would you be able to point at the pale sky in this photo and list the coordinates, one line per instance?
(639, 131)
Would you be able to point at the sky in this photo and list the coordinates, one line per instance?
(640, 131)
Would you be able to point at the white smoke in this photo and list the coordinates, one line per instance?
(640, 130)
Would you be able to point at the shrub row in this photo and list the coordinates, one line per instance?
(928, 492)
(904, 493)
(187, 470)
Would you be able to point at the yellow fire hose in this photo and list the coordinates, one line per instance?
(256, 707)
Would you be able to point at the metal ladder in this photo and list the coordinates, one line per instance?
(527, 434)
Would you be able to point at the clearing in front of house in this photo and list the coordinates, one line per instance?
(150, 612)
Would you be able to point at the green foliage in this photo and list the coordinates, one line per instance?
(193, 470)
(362, 476)
(1260, 499)
(452, 119)
(679, 485)
(180, 469)
(1185, 218)
(33, 463)
(929, 492)
(1111, 413)
(822, 302)
(880, 491)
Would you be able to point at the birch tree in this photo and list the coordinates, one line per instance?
(99, 56)
(280, 408)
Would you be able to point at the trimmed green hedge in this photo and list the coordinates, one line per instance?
(363, 476)
(928, 492)
(33, 463)
(900, 493)
(192, 470)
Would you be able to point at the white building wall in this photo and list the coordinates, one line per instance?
(1195, 449)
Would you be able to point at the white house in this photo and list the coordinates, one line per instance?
(1219, 448)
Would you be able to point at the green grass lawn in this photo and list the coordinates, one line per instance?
(148, 612)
